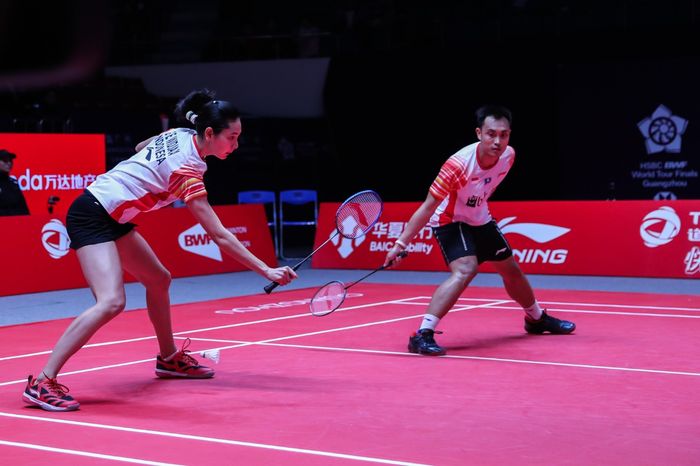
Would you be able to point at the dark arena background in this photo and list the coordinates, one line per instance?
(380, 91)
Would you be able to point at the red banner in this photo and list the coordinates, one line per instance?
(57, 166)
(613, 238)
(37, 256)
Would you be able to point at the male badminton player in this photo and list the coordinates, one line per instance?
(457, 209)
(165, 168)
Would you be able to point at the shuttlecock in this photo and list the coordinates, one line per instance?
(212, 355)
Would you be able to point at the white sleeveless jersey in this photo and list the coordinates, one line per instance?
(167, 169)
(464, 187)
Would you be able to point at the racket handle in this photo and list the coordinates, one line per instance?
(271, 286)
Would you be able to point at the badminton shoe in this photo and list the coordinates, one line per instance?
(49, 395)
(182, 365)
(423, 342)
(549, 324)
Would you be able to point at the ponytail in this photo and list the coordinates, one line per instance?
(199, 110)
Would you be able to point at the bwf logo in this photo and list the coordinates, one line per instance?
(662, 131)
(197, 241)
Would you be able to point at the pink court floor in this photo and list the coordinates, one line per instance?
(292, 388)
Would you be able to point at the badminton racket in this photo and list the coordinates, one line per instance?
(330, 296)
(353, 219)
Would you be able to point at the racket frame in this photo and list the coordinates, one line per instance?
(272, 285)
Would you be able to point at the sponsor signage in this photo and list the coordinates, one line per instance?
(37, 247)
(53, 169)
(620, 238)
(665, 172)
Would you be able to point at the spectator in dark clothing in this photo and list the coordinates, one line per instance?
(12, 200)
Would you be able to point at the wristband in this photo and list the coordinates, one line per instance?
(400, 243)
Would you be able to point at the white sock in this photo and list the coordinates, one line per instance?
(429, 321)
(534, 311)
(170, 357)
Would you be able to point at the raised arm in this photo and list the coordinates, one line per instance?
(227, 241)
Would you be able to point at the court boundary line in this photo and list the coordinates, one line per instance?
(586, 311)
(207, 329)
(495, 304)
(299, 335)
(396, 301)
(574, 303)
(241, 343)
(202, 438)
(102, 456)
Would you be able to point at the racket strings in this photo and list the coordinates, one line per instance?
(357, 215)
(327, 299)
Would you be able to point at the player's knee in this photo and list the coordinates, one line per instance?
(110, 306)
(159, 280)
(465, 274)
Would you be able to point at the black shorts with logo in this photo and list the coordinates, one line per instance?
(88, 223)
(486, 242)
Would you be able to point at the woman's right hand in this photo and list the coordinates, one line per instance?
(393, 256)
(281, 275)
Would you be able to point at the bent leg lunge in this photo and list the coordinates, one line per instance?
(102, 270)
(141, 262)
(446, 295)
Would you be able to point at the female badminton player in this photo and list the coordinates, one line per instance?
(165, 168)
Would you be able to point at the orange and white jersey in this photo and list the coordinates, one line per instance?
(167, 169)
(464, 186)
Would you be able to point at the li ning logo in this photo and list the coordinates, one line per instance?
(662, 131)
(540, 233)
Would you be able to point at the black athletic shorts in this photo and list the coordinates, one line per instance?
(88, 222)
(486, 242)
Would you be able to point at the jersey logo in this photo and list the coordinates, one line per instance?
(474, 201)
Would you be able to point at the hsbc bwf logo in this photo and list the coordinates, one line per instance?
(662, 131)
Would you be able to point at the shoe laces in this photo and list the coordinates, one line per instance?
(184, 354)
(54, 387)
(428, 337)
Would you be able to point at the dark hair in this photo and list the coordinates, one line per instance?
(495, 111)
(6, 154)
(199, 109)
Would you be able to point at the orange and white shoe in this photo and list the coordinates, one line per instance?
(48, 394)
(182, 365)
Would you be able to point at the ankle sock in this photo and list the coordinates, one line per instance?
(429, 321)
(534, 312)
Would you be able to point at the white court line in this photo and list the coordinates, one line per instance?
(447, 356)
(573, 303)
(634, 306)
(398, 301)
(579, 311)
(337, 329)
(494, 303)
(200, 438)
(84, 453)
(220, 327)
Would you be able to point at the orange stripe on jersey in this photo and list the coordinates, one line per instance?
(143, 204)
(185, 186)
(448, 179)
